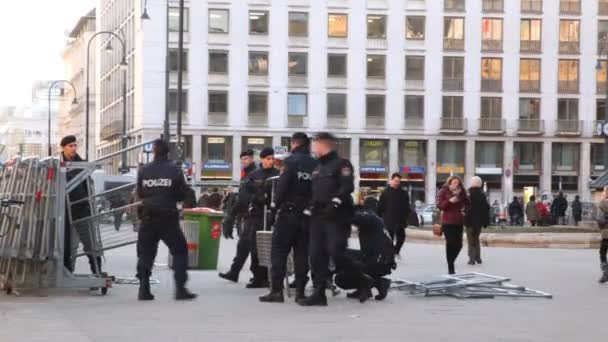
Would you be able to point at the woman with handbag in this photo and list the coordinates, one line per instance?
(477, 217)
(453, 201)
(602, 222)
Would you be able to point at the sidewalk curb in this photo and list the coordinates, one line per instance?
(520, 240)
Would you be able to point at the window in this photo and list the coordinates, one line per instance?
(530, 35)
(258, 63)
(336, 105)
(336, 65)
(298, 24)
(258, 103)
(173, 60)
(492, 6)
(602, 35)
(298, 63)
(414, 68)
(174, 19)
(569, 36)
(414, 27)
(568, 75)
(374, 105)
(376, 26)
(453, 33)
(491, 68)
(529, 75)
(452, 106)
(414, 107)
(599, 109)
(565, 156)
(492, 34)
(531, 6)
(529, 108)
(218, 102)
(218, 62)
(173, 101)
(297, 104)
(258, 22)
(337, 25)
(567, 109)
(491, 107)
(453, 73)
(375, 66)
(600, 77)
(219, 20)
(454, 5)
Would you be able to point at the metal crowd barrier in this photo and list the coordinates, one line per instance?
(34, 205)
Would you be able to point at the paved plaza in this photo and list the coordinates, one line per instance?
(229, 312)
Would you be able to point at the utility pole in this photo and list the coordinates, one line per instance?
(180, 55)
(166, 133)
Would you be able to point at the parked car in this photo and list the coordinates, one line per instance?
(425, 214)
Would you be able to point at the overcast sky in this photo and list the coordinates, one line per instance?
(32, 36)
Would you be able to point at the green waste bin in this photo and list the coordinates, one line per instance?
(203, 231)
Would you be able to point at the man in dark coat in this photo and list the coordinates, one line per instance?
(516, 212)
(558, 208)
(394, 208)
(477, 217)
(577, 210)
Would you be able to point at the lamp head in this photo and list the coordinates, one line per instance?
(145, 16)
(109, 47)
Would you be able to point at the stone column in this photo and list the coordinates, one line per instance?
(584, 174)
(197, 149)
(393, 153)
(355, 160)
(469, 164)
(545, 181)
(507, 169)
(431, 171)
(236, 159)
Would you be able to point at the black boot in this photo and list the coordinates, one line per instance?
(144, 290)
(365, 289)
(471, 262)
(182, 293)
(451, 269)
(275, 296)
(353, 295)
(318, 298)
(258, 283)
(604, 278)
(382, 285)
(301, 290)
(233, 277)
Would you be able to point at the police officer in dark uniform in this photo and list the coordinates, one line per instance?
(240, 208)
(259, 190)
(292, 197)
(160, 185)
(332, 211)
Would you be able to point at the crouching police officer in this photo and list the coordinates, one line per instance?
(292, 197)
(160, 185)
(332, 210)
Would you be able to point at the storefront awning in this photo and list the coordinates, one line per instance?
(600, 182)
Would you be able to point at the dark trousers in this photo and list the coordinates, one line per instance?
(243, 249)
(603, 251)
(163, 228)
(291, 232)
(453, 243)
(397, 233)
(328, 239)
(351, 281)
(70, 247)
(473, 234)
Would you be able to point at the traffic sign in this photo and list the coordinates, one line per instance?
(148, 148)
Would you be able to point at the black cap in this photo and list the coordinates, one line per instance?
(300, 138)
(247, 153)
(267, 151)
(160, 147)
(68, 139)
(324, 136)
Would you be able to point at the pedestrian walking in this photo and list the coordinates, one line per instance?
(394, 208)
(602, 220)
(516, 212)
(453, 201)
(558, 208)
(160, 185)
(532, 213)
(577, 210)
(477, 216)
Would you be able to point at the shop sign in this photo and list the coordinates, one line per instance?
(413, 169)
(216, 166)
(373, 169)
(488, 170)
(256, 141)
(373, 143)
(450, 169)
(216, 140)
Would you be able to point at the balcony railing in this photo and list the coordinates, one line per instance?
(601, 88)
(453, 44)
(533, 46)
(453, 84)
(531, 6)
(529, 86)
(602, 46)
(491, 45)
(454, 5)
(375, 121)
(568, 126)
(530, 126)
(217, 119)
(597, 127)
(297, 121)
(337, 121)
(568, 87)
(257, 120)
(493, 86)
(414, 123)
(569, 48)
(491, 125)
(453, 125)
(492, 6)
(569, 7)
(603, 8)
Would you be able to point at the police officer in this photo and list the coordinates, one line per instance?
(259, 191)
(332, 210)
(160, 185)
(240, 208)
(292, 197)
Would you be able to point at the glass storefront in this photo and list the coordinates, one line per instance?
(489, 163)
(216, 158)
(256, 144)
(373, 164)
(450, 160)
(597, 159)
(527, 165)
(565, 166)
(412, 167)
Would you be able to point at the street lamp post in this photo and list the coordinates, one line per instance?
(123, 64)
(50, 149)
(599, 67)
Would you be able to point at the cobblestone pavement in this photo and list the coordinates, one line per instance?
(228, 312)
